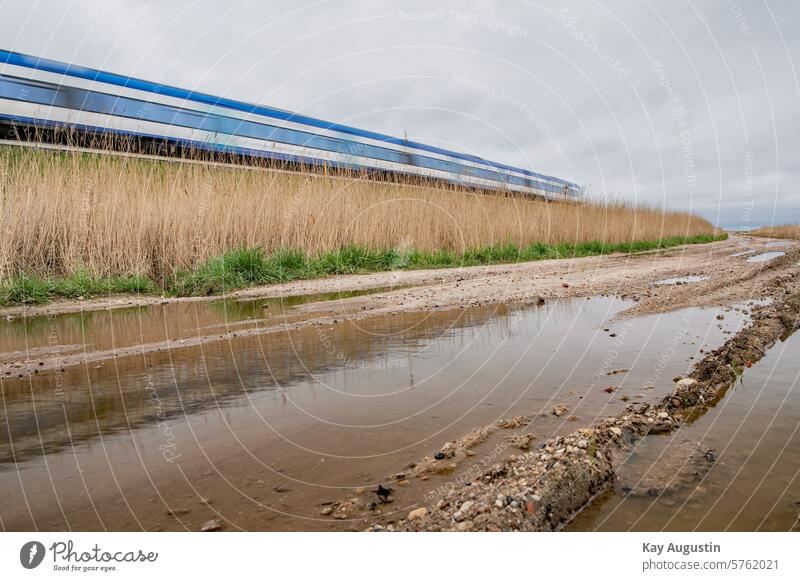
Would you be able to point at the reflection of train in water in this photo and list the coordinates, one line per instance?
(47, 100)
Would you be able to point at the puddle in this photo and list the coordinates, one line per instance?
(271, 426)
(751, 485)
(774, 243)
(72, 333)
(681, 280)
(765, 257)
(745, 252)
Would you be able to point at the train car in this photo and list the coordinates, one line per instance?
(46, 97)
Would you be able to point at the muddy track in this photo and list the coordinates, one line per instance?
(542, 489)
(731, 278)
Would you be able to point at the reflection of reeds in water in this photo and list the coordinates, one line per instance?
(122, 327)
(66, 213)
(186, 380)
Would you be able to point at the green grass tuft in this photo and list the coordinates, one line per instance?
(243, 267)
(32, 290)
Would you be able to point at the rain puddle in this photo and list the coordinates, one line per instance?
(749, 482)
(681, 280)
(745, 252)
(263, 430)
(72, 333)
(765, 257)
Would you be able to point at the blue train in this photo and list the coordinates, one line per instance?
(42, 98)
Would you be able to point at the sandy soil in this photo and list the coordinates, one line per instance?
(730, 278)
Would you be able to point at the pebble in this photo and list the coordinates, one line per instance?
(177, 511)
(211, 525)
(417, 513)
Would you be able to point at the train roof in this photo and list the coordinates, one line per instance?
(53, 66)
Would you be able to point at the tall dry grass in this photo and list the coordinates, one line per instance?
(791, 231)
(61, 212)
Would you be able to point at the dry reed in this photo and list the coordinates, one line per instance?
(109, 215)
(791, 231)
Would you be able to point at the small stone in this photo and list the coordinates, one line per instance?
(342, 511)
(326, 511)
(211, 525)
(686, 382)
(559, 410)
(177, 511)
(417, 513)
(616, 431)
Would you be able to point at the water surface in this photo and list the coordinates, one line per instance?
(754, 483)
(270, 426)
(766, 256)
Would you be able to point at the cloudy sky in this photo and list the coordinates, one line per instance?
(679, 103)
